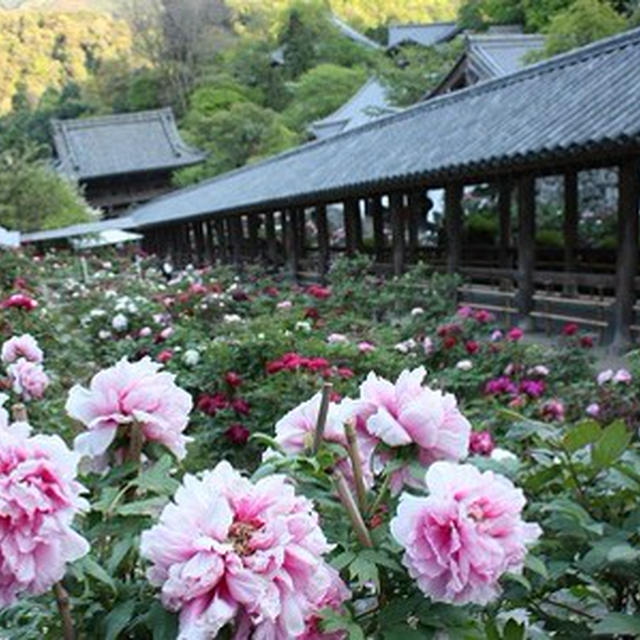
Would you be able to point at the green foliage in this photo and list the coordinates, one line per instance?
(42, 50)
(242, 133)
(417, 70)
(33, 196)
(321, 91)
(583, 22)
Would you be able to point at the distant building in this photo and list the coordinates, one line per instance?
(424, 35)
(121, 160)
(369, 103)
(488, 56)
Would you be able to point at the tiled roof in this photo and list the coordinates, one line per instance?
(367, 105)
(78, 230)
(422, 34)
(492, 56)
(354, 35)
(119, 144)
(583, 101)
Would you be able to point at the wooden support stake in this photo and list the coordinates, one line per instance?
(323, 411)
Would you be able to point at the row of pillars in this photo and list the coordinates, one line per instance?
(236, 238)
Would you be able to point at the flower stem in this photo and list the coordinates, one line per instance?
(381, 494)
(322, 416)
(352, 509)
(135, 444)
(19, 412)
(64, 606)
(356, 464)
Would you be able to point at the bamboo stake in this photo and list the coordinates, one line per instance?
(352, 509)
(64, 606)
(322, 416)
(356, 464)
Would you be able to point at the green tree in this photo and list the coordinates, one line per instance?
(320, 91)
(242, 133)
(417, 71)
(33, 196)
(583, 22)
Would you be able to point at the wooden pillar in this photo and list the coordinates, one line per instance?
(571, 217)
(221, 235)
(253, 223)
(291, 241)
(270, 232)
(453, 221)
(526, 248)
(323, 239)
(505, 191)
(350, 226)
(627, 256)
(210, 246)
(417, 207)
(396, 204)
(375, 210)
(357, 227)
(199, 245)
(235, 231)
(301, 230)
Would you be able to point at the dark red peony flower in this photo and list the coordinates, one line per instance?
(237, 433)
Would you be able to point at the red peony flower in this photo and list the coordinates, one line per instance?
(237, 433)
(586, 342)
(449, 342)
(241, 406)
(318, 291)
(20, 301)
(232, 379)
(570, 329)
(164, 356)
(472, 347)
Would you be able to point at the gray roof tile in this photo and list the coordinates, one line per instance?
(118, 144)
(422, 34)
(582, 100)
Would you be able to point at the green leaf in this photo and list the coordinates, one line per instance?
(623, 553)
(149, 507)
(381, 558)
(157, 478)
(342, 560)
(364, 571)
(92, 568)
(617, 623)
(118, 618)
(584, 433)
(403, 632)
(163, 624)
(533, 563)
(513, 631)
(611, 444)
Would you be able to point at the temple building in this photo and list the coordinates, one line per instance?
(368, 104)
(424, 35)
(121, 160)
(488, 56)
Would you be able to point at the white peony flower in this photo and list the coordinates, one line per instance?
(191, 357)
(120, 322)
(464, 365)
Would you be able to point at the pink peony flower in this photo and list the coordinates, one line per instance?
(24, 346)
(164, 356)
(460, 539)
(39, 497)
(481, 443)
(126, 393)
(465, 312)
(409, 413)
(428, 346)
(593, 409)
(622, 375)
(228, 551)
(515, 334)
(553, 410)
(366, 347)
(19, 301)
(285, 304)
(28, 379)
(605, 376)
(295, 431)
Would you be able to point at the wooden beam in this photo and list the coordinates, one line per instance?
(453, 221)
(398, 215)
(505, 192)
(324, 252)
(375, 210)
(627, 261)
(526, 248)
(270, 231)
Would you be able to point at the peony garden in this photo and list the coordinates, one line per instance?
(196, 454)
